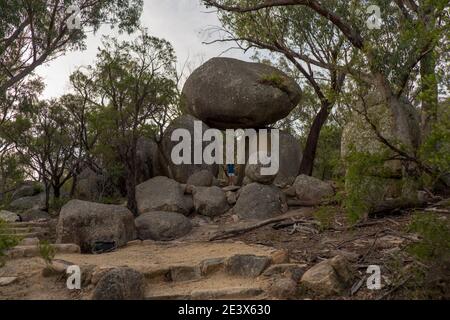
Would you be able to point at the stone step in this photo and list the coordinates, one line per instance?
(218, 286)
(16, 230)
(41, 224)
(24, 235)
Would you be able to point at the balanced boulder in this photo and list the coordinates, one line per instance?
(312, 190)
(85, 223)
(210, 201)
(161, 194)
(230, 93)
(162, 226)
(260, 201)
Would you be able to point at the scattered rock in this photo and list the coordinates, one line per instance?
(246, 95)
(329, 277)
(84, 223)
(312, 190)
(259, 201)
(161, 194)
(210, 201)
(254, 174)
(162, 226)
(292, 270)
(202, 178)
(210, 266)
(246, 265)
(33, 215)
(283, 288)
(9, 216)
(231, 197)
(181, 172)
(29, 242)
(120, 284)
(6, 281)
(185, 273)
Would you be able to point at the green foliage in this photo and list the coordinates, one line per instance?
(435, 150)
(6, 241)
(434, 232)
(325, 216)
(327, 164)
(363, 183)
(274, 79)
(46, 251)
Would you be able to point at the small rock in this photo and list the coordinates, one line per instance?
(5, 281)
(231, 197)
(185, 273)
(246, 265)
(329, 277)
(293, 270)
(280, 256)
(29, 242)
(210, 266)
(283, 288)
(121, 283)
(9, 216)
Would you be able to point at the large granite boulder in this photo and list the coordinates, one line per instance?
(229, 93)
(210, 201)
(253, 173)
(312, 190)
(33, 215)
(290, 159)
(27, 189)
(203, 178)
(85, 223)
(161, 194)
(399, 123)
(29, 202)
(162, 226)
(181, 172)
(147, 159)
(259, 201)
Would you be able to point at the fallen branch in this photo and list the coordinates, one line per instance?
(240, 230)
(387, 206)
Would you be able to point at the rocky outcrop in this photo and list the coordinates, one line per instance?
(181, 172)
(162, 226)
(161, 194)
(246, 95)
(259, 201)
(312, 190)
(33, 215)
(29, 202)
(85, 223)
(210, 201)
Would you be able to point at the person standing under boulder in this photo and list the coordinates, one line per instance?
(230, 173)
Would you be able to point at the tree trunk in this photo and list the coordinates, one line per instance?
(429, 91)
(131, 181)
(309, 154)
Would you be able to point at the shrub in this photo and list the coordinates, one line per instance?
(6, 241)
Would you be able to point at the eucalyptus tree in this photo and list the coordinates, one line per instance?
(132, 87)
(35, 31)
(398, 54)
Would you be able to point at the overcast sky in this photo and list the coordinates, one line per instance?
(184, 23)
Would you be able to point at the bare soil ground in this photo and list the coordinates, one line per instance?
(378, 241)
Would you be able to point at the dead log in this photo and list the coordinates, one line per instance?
(392, 205)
